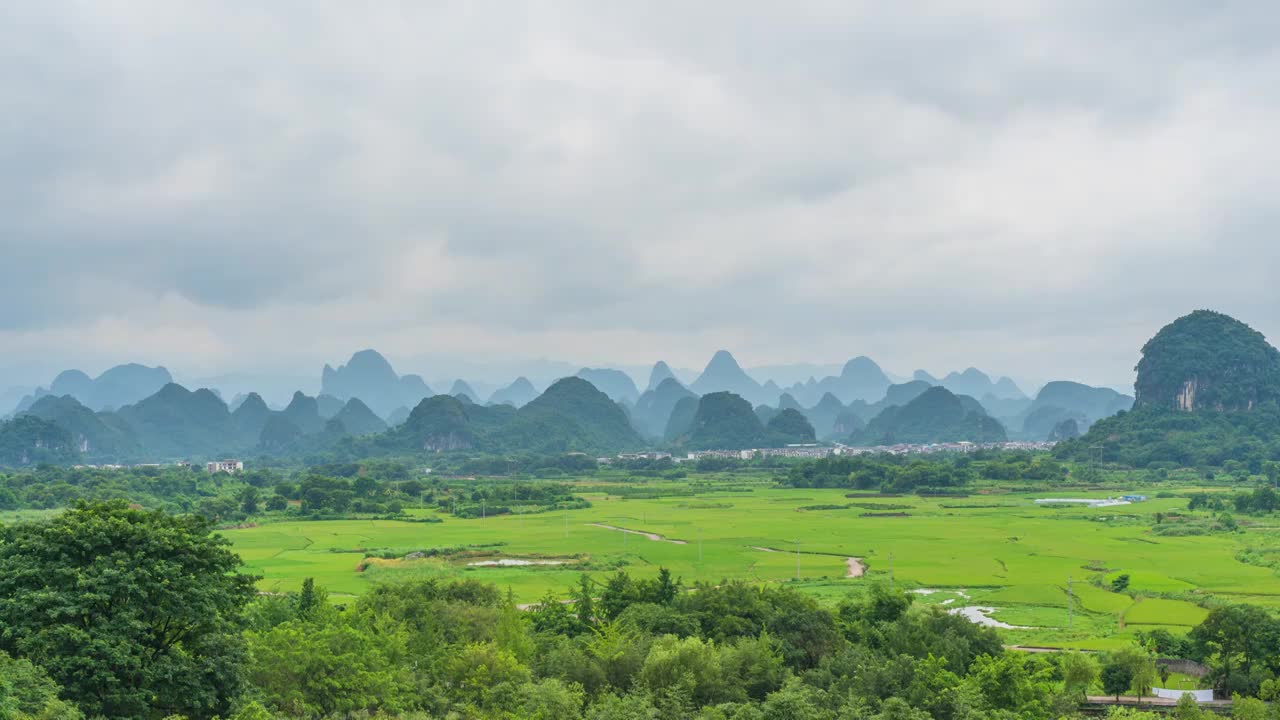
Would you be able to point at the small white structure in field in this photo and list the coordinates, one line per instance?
(1091, 502)
(1201, 696)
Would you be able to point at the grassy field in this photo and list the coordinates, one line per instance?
(997, 551)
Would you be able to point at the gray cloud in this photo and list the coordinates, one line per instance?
(1033, 188)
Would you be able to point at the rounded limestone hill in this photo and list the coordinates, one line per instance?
(934, 416)
(725, 421)
(789, 426)
(571, 416)
(438, 423)
(1207, 361)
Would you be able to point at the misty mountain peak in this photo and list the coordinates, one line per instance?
(661, 371)
(923, 376)
(614, 383)
(519, 393)
(460, 387)
(369, 361)
(722, 362)
(861, 365)
(369, 376)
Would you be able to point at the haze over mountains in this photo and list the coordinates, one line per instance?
(370, 376)
(134, 412)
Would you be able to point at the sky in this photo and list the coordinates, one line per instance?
(1032, 188)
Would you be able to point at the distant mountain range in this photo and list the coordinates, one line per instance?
(368, 376)
(133, 412)
(115, 388)
(571, 416)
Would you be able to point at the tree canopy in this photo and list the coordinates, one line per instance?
(132, 612)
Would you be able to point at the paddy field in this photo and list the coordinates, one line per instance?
(998, 554)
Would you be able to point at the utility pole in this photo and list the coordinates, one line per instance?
(1069, 596)
(566, 523)
(482, 513)
(1095, 455)
(699, 546)
(797, 559)
(890, 572)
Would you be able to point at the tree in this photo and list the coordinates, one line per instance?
(1271, 469)
(667, 590)
(551, 699)
(364, 486)
(1120, 583)
(27, 692)
(475, 670)
(756, 664)
(1141, 666)
(1116, 678)
(1189, 709)
(310, 599)
(131, 612)
(249, 500)
(583, 603)
(688, 670)
(1264, 500)
(553, 617)
(1247, 708)
(1078, 671)
(252, 710)
(330, 667)
(1234, 639)
(898, 709)
(632, 706)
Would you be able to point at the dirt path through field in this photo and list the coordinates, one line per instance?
(856, 568)
(652, 536)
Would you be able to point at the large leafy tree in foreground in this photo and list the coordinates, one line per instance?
(133, 613)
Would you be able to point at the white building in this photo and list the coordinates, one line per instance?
(226, 466)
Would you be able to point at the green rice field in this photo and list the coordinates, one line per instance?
(999, 552)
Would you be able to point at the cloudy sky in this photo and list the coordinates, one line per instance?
(1032, 188)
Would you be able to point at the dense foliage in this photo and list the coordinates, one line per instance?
(898, 473)
(789, 426)
(1159, 437)
(165, 604)
(1226, 365)
(724, 421)
(28, 440)
(116, 613)
(131, 612)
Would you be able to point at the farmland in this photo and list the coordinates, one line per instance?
(998, 551)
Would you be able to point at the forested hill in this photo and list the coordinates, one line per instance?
(1207, 361)
(935, 415)
(1207, 393)
(181, 424)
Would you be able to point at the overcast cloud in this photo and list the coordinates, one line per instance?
(1032, 188)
